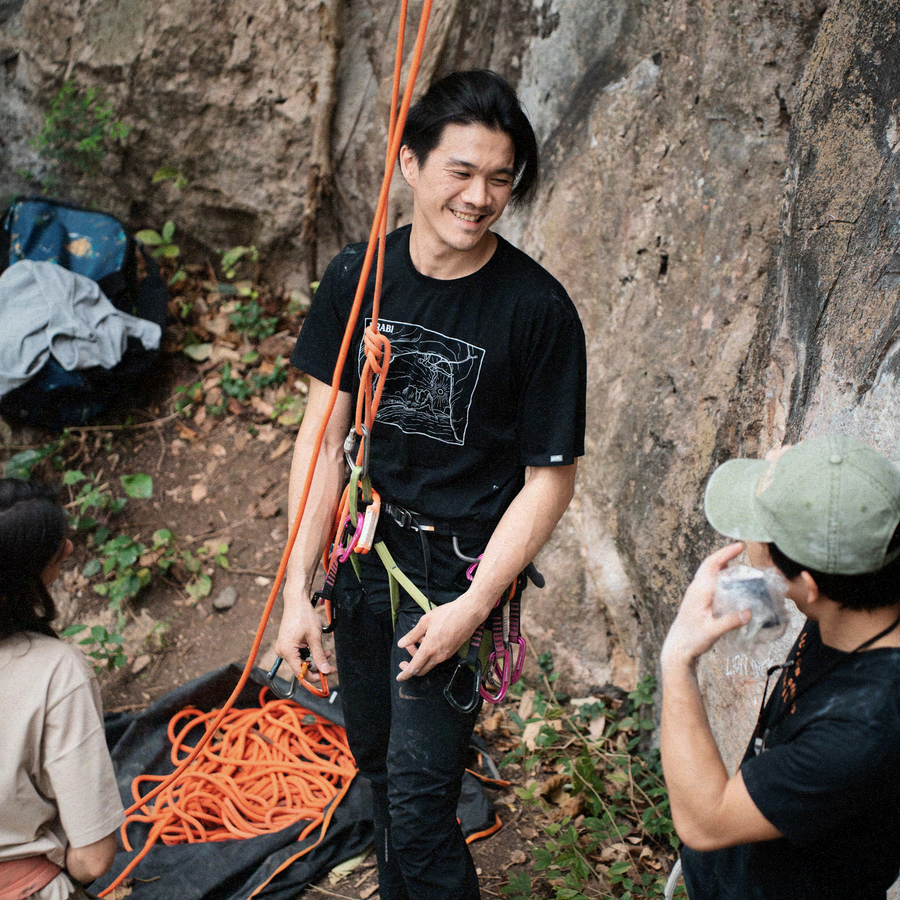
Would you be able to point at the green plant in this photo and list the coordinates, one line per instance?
(190, 394)
(231, 258)
(108, 654)
(250, 320)
(95, 498)
(170, 558)
(620, 831)
(120, 564)
(79, 129)
(169, 173)
(118, 560)
(231, 385)
(23, 463)
(160, 241)
(163, 247)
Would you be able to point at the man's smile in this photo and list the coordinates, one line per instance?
(468, 217)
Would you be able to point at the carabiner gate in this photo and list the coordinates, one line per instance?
(322, 691)
(476, 688)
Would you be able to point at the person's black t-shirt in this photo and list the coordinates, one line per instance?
(827, 777)
(486, 376)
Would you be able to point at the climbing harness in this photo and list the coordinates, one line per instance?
(485, 669)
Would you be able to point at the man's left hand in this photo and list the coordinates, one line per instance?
(438, 635)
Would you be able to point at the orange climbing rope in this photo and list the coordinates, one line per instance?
(379, 230)
(268, 768)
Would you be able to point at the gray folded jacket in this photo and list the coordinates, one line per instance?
(46, 310)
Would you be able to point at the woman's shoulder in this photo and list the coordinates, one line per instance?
(45, 658)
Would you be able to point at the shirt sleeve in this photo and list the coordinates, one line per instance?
(319, 341)
(821, 778)
(551, 416)
(77, 771)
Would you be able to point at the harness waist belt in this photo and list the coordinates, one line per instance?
(406, 518)
(20, 878)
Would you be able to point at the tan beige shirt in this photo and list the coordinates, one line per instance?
(57, 785)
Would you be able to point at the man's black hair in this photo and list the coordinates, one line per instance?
(871, 590)
(476, 97)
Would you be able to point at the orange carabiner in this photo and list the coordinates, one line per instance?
(370, 521)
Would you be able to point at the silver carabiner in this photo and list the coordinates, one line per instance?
(270, 680)
(350, 443)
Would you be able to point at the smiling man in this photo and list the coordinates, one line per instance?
(473, 452)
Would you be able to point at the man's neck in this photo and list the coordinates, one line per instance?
(445, 264)
(846, 629)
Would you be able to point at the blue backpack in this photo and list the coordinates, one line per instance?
(96, 245)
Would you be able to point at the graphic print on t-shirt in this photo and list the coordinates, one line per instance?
(430, 382)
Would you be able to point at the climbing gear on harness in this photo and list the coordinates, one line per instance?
(502, 668)
(322, 691)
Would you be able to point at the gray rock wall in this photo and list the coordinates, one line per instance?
(824, 358)
(666, 170)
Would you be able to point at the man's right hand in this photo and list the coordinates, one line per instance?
(695, 628)
(301, 627)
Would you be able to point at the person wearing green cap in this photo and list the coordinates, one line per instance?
(814, 809)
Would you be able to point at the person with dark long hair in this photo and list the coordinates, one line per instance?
(59, 805)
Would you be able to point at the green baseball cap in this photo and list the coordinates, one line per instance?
(830, 503)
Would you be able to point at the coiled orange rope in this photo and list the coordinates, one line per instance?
(266, 769)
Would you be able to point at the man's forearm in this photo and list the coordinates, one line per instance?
(523, 530)
(325, 488)
(300, 625)
(710, 810)
(693, 767)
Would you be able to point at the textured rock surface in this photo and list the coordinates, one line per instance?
(735, 288)
(824, 355)
(666, 168)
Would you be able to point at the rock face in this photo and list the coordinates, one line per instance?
(824, 357)
(666, 169)
(719, 198)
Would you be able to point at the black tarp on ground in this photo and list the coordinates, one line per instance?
(232, 870)
(229, 870)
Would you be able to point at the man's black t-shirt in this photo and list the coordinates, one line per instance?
(486, 376)
(827, 777)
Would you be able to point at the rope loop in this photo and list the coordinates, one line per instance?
(378, 349)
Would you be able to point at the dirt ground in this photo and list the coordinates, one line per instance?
(225, 482)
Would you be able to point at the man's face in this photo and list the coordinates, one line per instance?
(462, 188)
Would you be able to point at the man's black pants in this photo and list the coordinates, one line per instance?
(406, 738)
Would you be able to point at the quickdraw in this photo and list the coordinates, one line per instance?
(503, 666)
